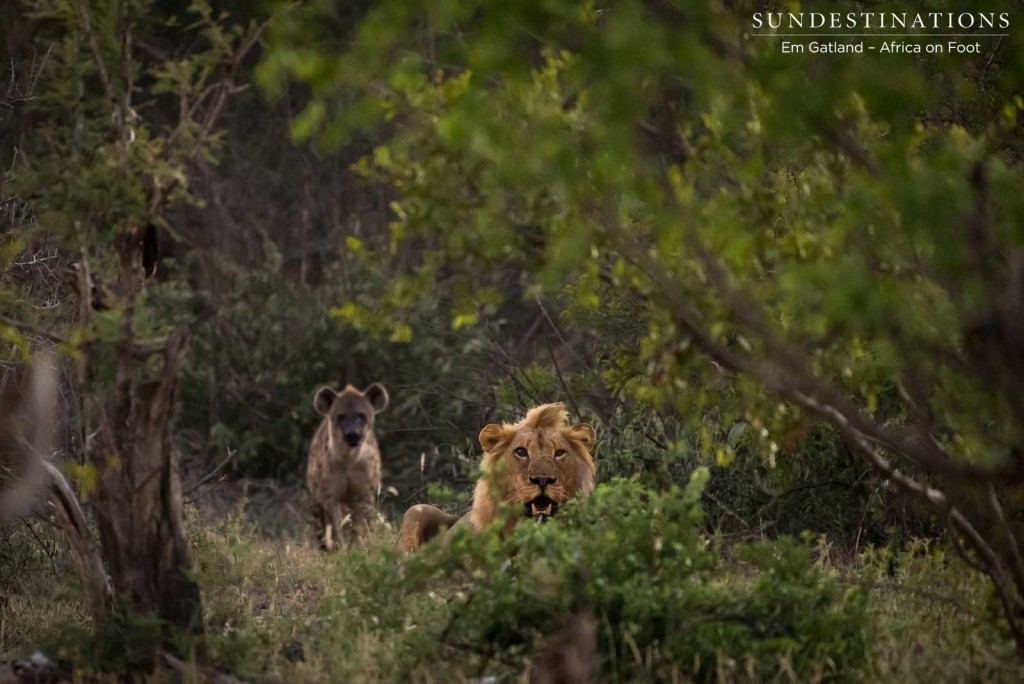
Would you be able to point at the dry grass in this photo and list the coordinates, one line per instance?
(39, 591)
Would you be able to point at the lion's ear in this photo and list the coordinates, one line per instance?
(582, 433)
(492, 436)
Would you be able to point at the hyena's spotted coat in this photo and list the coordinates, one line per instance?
(343, 472)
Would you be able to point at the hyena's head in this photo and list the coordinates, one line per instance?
(350, 411)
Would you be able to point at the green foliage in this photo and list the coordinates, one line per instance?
(927, 584)
(113, 162)
(260, 348)
(262, 345)
(744, 238)
(115, 132)
(639, 563)
(839, 208)
(661, 594)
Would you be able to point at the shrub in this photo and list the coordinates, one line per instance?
(665, 602)
(665, 599)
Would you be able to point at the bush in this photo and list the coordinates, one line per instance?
(666, 601)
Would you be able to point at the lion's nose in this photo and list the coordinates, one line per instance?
(542, 480)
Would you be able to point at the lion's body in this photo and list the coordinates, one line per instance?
(539, 463)
(343, 472)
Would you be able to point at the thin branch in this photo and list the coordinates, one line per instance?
(557, 330)
(209, 476)
(1016, 561)
(223, 89)
(33, 329)
(84, 284)
(41, 543)
(561, 381)
(94, 45)
(727, 510)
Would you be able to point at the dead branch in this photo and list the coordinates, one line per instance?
(209, 476)
(99, 592)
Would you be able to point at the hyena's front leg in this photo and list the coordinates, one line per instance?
(318, 523)
(339, 517)
(363, 514)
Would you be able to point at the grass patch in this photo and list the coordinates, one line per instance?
(664, 600)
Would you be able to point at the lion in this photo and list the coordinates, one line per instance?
(539, 464)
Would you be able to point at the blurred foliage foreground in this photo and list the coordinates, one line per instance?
(626, 585)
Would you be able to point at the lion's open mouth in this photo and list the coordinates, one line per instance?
(541, 508)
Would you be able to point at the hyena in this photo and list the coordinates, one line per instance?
(343, 472)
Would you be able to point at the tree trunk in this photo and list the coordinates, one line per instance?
(138, 500)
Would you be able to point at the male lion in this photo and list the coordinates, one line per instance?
(539, 463)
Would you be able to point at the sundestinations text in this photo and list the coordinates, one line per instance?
(880, 20)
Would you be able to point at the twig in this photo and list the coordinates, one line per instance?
(555, 328)
(415, 494)
(209, 476)
(33, 330)
(41, 543)
(992, 55)
(728, 510)
(561, 381)
(1016, 564)
(101, 64)
(191, 671)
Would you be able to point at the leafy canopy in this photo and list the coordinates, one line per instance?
(657, 155)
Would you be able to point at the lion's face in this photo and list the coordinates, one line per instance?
(538, 464)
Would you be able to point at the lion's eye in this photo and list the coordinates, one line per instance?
(560, 453)
(520, 452)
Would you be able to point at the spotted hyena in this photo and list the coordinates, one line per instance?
(343, 472)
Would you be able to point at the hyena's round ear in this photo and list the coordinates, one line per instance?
(378, 397)
(492, 436)
(582, 433)
(323, 399)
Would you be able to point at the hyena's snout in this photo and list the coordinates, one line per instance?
(352, 429)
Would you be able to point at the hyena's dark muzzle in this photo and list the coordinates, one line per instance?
(352, 429)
